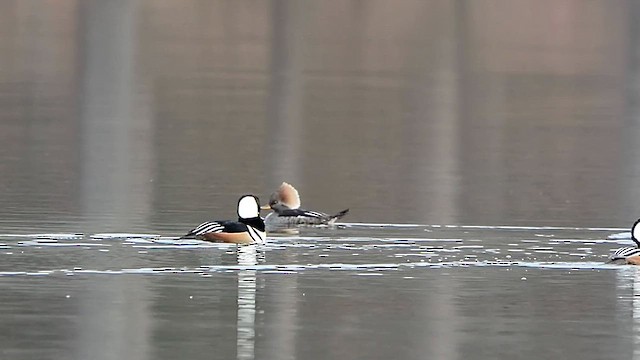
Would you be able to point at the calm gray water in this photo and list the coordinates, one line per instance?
(487, 150)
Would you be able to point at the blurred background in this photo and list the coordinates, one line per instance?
(140, 115)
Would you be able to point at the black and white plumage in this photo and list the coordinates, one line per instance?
(285, 203)
(629, 254)
(625, 252)
(249, 228)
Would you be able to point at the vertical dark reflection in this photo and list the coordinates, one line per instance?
(431, 130)
(116, 141)
(443, 170)
(629, 192)
(284, 150)
(481, 95)
(284, 118)
(114, 322)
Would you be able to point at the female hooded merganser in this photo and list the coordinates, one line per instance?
(629, 254)
(285, 203)
(248, 229)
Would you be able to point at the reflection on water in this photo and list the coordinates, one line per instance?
(123, 123)
(247, 255)
(634, 277)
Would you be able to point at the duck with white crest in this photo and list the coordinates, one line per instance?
(629, 255)
(248, 229)
(285, 203)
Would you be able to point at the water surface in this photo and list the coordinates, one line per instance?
(505, 131)
(368, 290)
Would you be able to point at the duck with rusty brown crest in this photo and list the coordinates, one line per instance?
(249, 228)
(629, 254)
(285, 203)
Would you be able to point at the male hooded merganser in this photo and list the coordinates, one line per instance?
(629, 254)
(285, 203)
(248, 229)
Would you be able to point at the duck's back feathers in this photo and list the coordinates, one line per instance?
(625, 252)
(301, 212)
(229, 231)
(208, 227)
(629, 254)
(626, 255)
(290, 217)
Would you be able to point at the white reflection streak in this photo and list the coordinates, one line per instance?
(247, 255)
(636, 311)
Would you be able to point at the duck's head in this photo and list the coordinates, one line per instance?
(285, 197)
(635, 232)
(248, 207)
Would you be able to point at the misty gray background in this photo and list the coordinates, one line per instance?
(150, 114)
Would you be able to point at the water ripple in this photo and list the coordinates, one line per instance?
(352, 247)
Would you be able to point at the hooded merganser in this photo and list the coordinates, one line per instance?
(247, 230)
(285, 203)
(629, 254)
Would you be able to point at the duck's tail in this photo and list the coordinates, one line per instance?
(337, 216)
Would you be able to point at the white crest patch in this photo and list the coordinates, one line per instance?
(248, 207)
(289, 196)
(635, 232)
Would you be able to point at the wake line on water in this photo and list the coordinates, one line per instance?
(113, 236)
(297, 268)
(488, 227)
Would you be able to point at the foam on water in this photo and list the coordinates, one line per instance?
(55, 243)
(487, 227)
(622, 235)
(52, 236)
(118, 236)
(174, 242)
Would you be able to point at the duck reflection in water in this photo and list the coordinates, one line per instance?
(248, 257)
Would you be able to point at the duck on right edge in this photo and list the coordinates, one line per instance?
(285, 203)
(629, 255)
